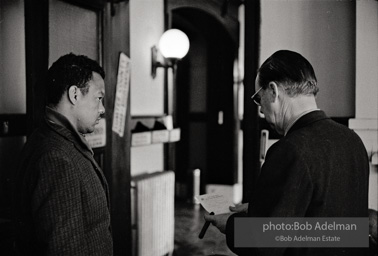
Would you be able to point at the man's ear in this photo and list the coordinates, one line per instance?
(73, 94)
(273, 91)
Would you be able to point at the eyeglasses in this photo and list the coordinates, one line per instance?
(256, 97)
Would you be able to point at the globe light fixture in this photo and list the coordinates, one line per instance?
(173, 45)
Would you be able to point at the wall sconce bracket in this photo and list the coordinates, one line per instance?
(173, 45)
(154, 62)
(168, 63)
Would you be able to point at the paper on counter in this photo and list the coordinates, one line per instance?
(216, 203)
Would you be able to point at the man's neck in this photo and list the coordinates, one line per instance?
(299, 106)
(64, 110)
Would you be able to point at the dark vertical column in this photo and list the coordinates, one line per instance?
(251, 138)
(37, 57)
(235, 128)
(170, 148)
(117, 151)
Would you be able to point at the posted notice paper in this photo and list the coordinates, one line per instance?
(216, 203)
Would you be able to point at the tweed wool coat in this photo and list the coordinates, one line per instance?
(61, 198)
(319, 169)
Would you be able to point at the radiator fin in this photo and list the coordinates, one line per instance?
(154, 216)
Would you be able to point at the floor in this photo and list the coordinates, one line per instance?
(188, 224)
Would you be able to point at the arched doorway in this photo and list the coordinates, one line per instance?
(206, 99)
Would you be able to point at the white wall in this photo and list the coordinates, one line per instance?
(367, 59)
(12, 57)
(324, 33)
(146, 27)
(147, 94)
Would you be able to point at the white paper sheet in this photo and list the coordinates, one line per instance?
(122, 92)
(216, 203)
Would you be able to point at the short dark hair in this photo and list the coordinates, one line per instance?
(68, 70)
(290, 69)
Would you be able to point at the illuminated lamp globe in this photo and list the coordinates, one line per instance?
(174, 44)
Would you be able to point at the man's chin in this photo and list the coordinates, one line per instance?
(277, 129)
(272, 126)
(90, 130)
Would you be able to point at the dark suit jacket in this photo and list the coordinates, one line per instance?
(61, 201)
(319, 169)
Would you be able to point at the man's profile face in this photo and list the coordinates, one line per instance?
(90, 106)
(265, 106)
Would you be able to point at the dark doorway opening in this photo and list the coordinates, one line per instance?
(206, 101)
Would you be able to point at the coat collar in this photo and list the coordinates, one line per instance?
(308, 119)
(64, 127)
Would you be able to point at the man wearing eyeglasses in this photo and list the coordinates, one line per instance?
(318, 169)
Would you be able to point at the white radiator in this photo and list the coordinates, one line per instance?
(153, 213)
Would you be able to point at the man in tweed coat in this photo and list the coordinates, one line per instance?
(61, 202)
(318, 169)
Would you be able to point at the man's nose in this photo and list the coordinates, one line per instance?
(102, 108)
